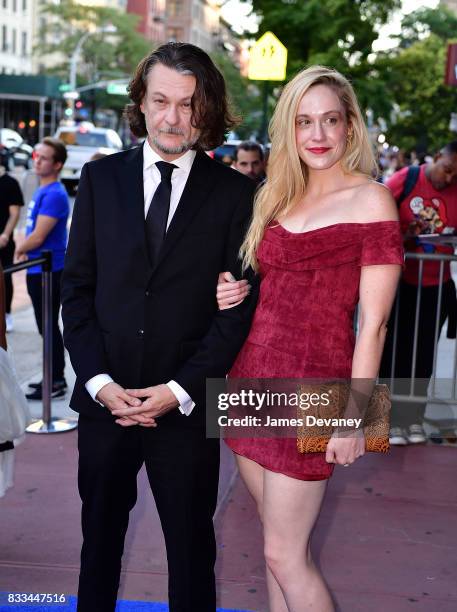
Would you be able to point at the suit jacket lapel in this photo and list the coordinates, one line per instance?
(196, 191)
(132, 198)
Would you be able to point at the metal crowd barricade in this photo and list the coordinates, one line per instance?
(48, 423)
(431, 395)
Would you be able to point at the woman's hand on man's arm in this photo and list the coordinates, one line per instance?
(230, 292)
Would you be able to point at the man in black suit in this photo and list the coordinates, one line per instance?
(152, 228)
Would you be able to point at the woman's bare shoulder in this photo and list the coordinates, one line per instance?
(374, 202)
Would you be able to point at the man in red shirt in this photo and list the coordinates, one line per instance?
(427, 201)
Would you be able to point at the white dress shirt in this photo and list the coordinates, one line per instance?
(151, 180)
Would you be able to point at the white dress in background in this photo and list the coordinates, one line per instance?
(14, 418)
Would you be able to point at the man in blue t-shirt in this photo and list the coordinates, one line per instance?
(46, 228)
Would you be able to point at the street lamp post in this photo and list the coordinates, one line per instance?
(110, 29)
(75, 57)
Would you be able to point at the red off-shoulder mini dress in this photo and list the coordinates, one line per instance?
(303, 323)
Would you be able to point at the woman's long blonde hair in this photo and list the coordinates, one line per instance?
(287, 174)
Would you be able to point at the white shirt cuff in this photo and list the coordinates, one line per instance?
(96, 383)
(186, 405)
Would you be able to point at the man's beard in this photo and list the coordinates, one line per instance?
(181, 148)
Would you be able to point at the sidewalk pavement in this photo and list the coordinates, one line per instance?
(386, 538)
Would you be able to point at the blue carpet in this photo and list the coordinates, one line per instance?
(70, 606)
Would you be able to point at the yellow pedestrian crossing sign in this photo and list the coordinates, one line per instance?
(267, 59)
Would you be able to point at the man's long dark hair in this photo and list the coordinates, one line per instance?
(210, 112)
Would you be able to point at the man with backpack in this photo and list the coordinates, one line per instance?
(427, 201)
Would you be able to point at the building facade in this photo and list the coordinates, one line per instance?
(17, 28)
(21, 25)
(152, 17)
(194, 21)
(450, 4)
(116, 4)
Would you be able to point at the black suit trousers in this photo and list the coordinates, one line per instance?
(183, 471)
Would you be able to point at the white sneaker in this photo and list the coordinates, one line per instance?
(416, 434)
(9, 323)
(397, 437)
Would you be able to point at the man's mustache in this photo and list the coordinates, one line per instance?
(176, 131)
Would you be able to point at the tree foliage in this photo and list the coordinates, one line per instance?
(244, 95)
(422, 103)
(413, 75)
(404, 86)
(336, 33)
(103, 54)
(424, 21)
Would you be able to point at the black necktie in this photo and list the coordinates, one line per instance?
(157, 217)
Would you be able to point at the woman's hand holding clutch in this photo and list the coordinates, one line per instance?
(345, 448)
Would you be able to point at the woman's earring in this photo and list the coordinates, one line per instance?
(349, 139)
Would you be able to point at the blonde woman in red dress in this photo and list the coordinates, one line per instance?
(324, 237)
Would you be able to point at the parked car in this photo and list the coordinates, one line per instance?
(83, 142)
(225, 152)
(14, 151)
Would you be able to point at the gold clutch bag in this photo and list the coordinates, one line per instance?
(314, 439)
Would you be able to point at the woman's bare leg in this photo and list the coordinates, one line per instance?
(253, 476)
(290, 509)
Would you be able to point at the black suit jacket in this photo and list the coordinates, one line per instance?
(146, 326)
